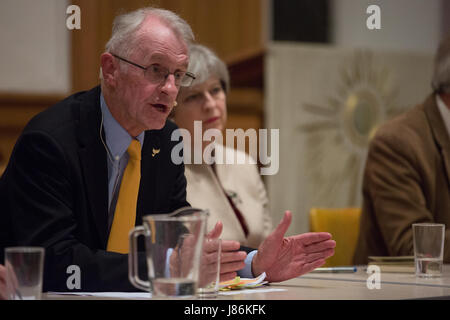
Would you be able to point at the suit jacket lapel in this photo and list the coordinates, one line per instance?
(439, 132)
(92, 155)
(150, 163)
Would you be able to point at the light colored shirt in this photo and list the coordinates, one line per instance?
(117, 140)
(445, 112)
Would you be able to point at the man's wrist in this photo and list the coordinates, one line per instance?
(247, 271)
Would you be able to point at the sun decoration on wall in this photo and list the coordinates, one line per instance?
(338, 134)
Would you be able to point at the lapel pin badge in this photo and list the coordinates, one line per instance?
(155, 152)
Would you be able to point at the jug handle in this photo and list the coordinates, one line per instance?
(133, 274)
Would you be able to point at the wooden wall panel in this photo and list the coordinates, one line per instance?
(229, 27)
(86, 47)
(15, 112)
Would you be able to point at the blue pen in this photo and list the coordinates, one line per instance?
(335, 270)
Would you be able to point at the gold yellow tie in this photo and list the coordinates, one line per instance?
(125, 213)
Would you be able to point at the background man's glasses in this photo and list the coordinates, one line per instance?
(157, 74)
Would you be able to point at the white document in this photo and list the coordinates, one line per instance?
(248, 291)
(123, 295)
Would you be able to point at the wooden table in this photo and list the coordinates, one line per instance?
(337, 286)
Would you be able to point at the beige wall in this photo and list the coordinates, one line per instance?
(413, 25)
(35, 47)
(315, 95)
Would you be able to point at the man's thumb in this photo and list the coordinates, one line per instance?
(216, 231)
(284, 224)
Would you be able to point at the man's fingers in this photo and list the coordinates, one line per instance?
(3, 293)
(312, 237)
(308, 267)
(321, 246)
(329, 253)
(231, 261)
(211, 245)
(2, 273)
(210, 258)
(229, 245)
(231, 266)
(216, 231)
(227, 276)
(311, 257)
(282, 227)
(233, 256)
(11, 275)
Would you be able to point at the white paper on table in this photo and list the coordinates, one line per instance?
(261, 290)
(147, 295)
(123, 295)
(258, 280)
(249, 282)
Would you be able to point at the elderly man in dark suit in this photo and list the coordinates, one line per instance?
(85, 171)
(63, 179)
(407, 175)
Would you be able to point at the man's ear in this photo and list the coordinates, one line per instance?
(109, 68)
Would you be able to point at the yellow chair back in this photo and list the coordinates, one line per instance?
(343, 224)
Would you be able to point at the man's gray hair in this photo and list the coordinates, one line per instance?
(204, 63)
(125, 26)
(124, 29)
(441, 74)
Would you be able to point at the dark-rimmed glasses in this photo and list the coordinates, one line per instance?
(157, 74)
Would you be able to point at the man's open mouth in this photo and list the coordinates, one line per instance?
(160, 107)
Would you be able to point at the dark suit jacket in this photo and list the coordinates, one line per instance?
(406, 181)
(56, 193)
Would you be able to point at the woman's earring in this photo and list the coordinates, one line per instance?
(175, 103)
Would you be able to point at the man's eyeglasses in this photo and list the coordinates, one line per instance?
(157, 74)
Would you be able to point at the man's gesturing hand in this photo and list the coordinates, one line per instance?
(285, 258)
(3, 293)
(231, 260)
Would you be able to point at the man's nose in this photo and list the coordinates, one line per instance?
(168, 86)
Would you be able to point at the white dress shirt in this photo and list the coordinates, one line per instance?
(445, 112)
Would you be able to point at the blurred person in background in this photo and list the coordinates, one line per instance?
(3, 294)
(233, 193)
(407, 174)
